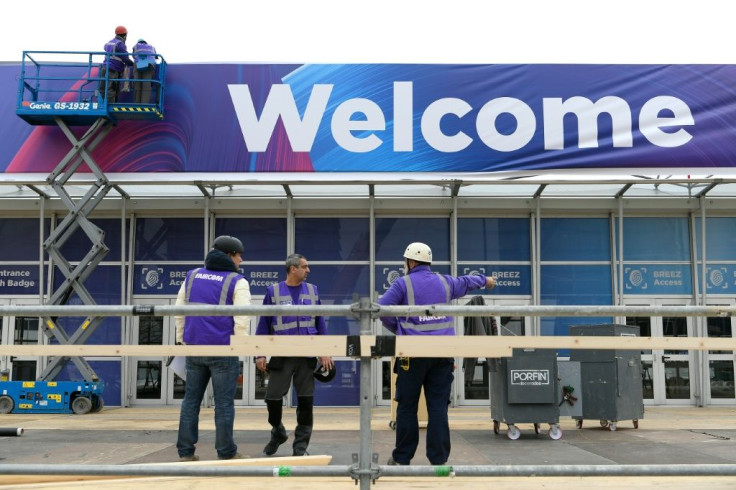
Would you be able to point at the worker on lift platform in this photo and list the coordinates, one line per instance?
(145, 67)
(117, 60)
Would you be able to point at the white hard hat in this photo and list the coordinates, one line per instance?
(419, 251)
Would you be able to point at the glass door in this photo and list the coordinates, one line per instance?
(666, 374)
(4, 340)
(20, 330)
(252, 383)
(153, 382)
(472, 376)
(720, 387)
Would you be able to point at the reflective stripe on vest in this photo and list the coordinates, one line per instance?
(112, 45)
(411, 301)
(280, 326)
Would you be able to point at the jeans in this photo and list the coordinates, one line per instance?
(435, 375)
(224, 373)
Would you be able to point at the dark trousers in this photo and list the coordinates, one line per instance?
(113, 84)
(435, 375)
(282, 371)
(143, 89)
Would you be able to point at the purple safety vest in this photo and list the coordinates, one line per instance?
(294, 325)
(209, 287)
(118, 54)
(143, 55)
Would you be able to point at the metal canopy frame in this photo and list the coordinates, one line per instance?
(400, 185)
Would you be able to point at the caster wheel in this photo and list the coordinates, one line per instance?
(636, 424)
(496, 427)
(537, 429)
(579, 424)
(513, 432)
(392, 425)
(612, 427)
(555, 432)
(604, 423)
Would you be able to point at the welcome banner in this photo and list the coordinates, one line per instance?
(408, 118)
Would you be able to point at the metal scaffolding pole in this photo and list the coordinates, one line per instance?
(377, 311)
(341, 470)
(366, 474)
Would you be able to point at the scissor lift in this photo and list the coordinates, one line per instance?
(69, 91)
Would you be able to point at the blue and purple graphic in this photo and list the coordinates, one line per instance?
(407, 118)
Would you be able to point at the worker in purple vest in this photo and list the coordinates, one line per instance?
(282, 371)
(144, 56)
(421, 286)
(116, 62)
(219, 282)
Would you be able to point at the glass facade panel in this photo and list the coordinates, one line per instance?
(647, 374)
(720, 238)
(656, 239)
(574, 285)
(24, 231)
(575, 239)
(476, 378)
(674, 326)
(338, 284)
(493, 239)
(78, 244)
(180, 387)
(103, 284)
(26, 330)
(150, 330)
(677, 380)
(333, 239)
(264, 239)
(158, 239)
(719, 327)
(721, 379)
(394, 234)
(148, 380)
(23, 371)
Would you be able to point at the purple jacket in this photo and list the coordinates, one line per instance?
(423, 287)
(118, 54)
(143, 55)
(209, 287)
(279, 294)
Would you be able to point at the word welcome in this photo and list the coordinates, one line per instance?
(358, 124)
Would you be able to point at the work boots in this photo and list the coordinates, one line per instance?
(278, 432)
(278, 437)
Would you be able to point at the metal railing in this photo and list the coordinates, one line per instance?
(365, 468)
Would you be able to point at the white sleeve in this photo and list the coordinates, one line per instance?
(241, 297)
(179, 320)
